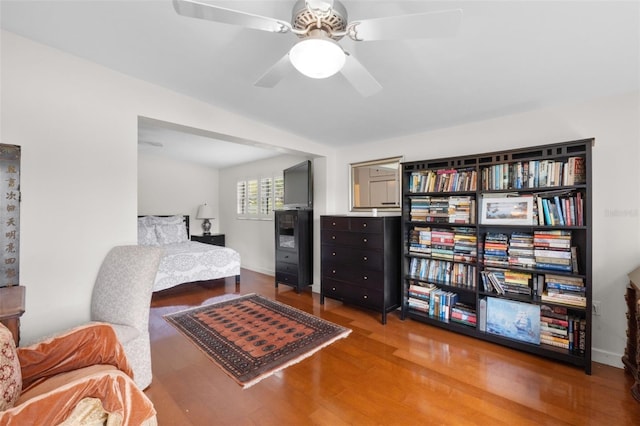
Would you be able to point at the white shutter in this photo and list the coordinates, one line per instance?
(252, 197)
(278, 193)
(241, 198)
(266, 196)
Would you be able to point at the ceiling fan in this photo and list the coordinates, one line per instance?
(320, 24)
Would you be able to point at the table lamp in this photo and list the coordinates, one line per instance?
(205, 212)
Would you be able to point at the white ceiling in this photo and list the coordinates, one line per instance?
(509, 57)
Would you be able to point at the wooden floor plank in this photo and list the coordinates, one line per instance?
(402, 373)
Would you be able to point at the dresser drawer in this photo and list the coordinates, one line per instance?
(366, 224)
(334, 222)
(286, 256)
(350, 293)
(289, 268)
(287, 278)
(358, 276)
(372, 259)
(356, 239)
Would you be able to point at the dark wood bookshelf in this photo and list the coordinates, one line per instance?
(505, 169)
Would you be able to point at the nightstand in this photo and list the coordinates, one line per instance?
(213, 239)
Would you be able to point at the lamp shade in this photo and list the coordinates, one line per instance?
(317, 57)
(205, 211)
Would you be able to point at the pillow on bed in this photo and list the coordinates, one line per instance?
(171, 233)
(147, 234)
(167, 220)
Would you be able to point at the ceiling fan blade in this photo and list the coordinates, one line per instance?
(277, 72)
(406, 27)
(359, 77)
(194, 9)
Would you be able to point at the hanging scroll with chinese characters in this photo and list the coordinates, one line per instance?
(10, 215)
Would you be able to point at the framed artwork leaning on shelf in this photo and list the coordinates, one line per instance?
(515, 320)
(507, 211)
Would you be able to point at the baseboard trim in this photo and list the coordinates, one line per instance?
(608, 358)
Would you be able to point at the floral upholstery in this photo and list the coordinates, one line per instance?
(122, 297)
(10, 375)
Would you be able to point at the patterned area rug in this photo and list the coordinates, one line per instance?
(251, 337)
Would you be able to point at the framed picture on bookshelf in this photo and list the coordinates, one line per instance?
(507, 211)
(515, 320)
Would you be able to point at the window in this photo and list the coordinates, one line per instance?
(241, 196)
(256, 199)
(266, 196)
(278, 192)
(252, 197)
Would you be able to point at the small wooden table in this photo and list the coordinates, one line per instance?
(631, 358)
(213, 239)
(11, 309)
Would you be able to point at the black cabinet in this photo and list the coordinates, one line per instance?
(361, 261)
(213, 239)
(294, 248)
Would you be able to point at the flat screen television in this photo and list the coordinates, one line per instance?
(298, 186)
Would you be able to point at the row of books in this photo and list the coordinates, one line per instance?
(553, 250)
(444, 272)
(544, 249)
(560, 289)
(454, 209)
(565, 290)
(459, 244)
(566, 209)
(534, 174)
(444, 180)
(545, 324)
(433, 301)
(506, 282)
(559, 329)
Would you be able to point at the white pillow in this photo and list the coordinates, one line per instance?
(147, 234)
(168, 220)
(171, 233)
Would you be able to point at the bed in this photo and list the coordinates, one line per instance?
(185, 261)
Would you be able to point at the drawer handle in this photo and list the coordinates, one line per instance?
(364, 239)
(364, 225)
(333, 237)
(365, 278)
(333, 271)
(365, 258)
(365, 296)
(333, 223)
(333, 288)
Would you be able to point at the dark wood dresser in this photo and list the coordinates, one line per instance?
(631, 358)
(361, 261)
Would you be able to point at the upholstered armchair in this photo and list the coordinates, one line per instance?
(79, 377)
(122, 297)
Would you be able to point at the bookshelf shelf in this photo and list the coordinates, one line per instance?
(515, 227)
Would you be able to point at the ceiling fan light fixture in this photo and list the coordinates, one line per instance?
(317, 57)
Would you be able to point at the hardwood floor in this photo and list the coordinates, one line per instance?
(404, 373)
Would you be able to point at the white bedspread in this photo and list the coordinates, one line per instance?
(193, 261)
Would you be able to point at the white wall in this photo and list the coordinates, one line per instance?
(614, 122)
(77, 124)
(168, 186)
